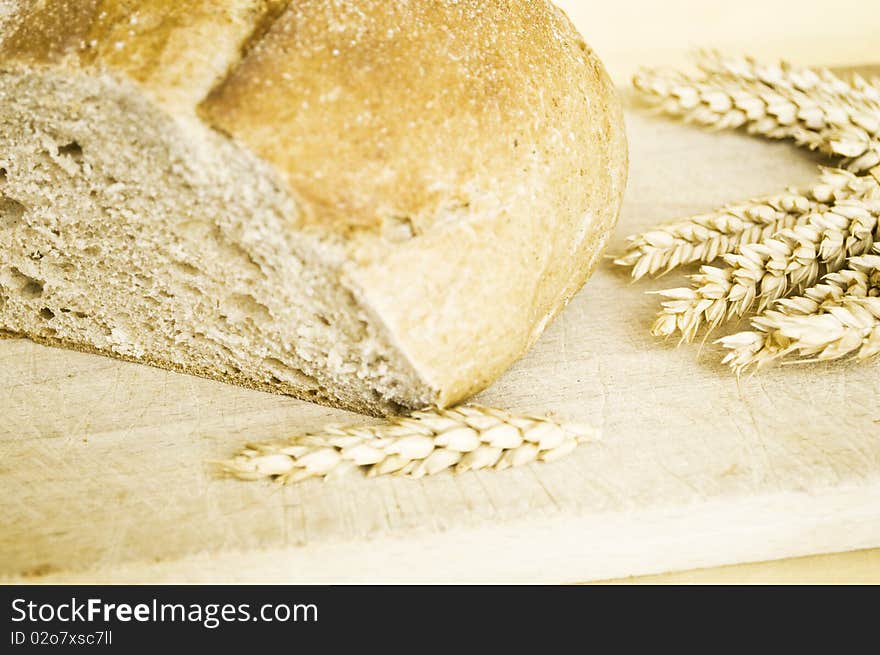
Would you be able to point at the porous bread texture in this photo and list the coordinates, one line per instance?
(158, 240)
(368, 203)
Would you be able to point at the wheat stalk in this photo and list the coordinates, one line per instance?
(782, 245)
(848, 327)
(859, 93)
(706, 237)
(465, 438)
(761, 273)
(771, 106)
(831, 320)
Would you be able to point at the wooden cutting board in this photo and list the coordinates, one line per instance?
(103, 474)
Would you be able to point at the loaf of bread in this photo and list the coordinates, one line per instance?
(373, 204)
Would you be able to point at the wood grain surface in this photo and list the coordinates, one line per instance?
(104, 477)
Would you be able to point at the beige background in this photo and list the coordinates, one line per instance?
(629, 33)
(104, 460)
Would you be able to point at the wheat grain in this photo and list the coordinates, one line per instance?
(850, 326)
(465, 438)
(779, 246)
(706, 237)
(841, 316)
(770, 102)
(758, 274)
(723, 104)
(858, 98)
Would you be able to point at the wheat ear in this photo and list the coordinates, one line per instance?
(774, 109)
(758, 274)
(465, 438)
(706, 237)
(839, 317)
(858, 94)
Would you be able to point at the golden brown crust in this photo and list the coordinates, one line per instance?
(374, 110)
(46, 31)
(175, 50)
